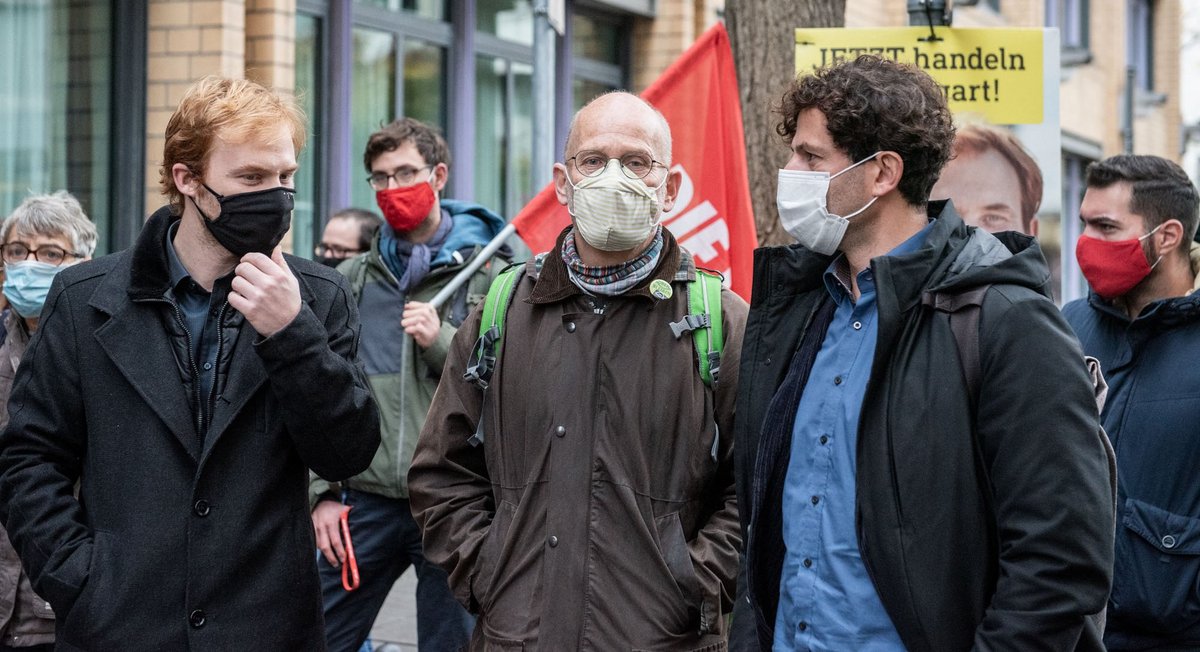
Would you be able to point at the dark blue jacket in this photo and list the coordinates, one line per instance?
(1152, 365)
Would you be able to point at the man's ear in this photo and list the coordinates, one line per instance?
(186, 182)
(890, 170)
(674, 180)
(561, 183)
(441, 174)
(1170, 234)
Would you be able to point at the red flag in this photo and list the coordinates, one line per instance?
(712, 217)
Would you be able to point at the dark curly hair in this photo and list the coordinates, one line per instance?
(426, 138)
(872, 104)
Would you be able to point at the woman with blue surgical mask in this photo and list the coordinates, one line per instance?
(43, 236)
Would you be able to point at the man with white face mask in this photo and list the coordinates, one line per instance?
(888, 502)
(597, 512)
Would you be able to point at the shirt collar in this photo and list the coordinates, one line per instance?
(175, 269)
(837, 275)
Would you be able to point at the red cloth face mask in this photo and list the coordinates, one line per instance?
(1113, 268)
(406, 208)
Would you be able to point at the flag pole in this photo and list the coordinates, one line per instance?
(465, 273)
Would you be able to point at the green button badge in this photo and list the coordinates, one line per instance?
(660, 289)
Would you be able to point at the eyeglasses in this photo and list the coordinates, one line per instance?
(405, 176)
(334, 251)
(16, 252)
(635, 166)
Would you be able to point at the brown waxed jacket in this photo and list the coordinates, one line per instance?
(597, 504)
(25, 618)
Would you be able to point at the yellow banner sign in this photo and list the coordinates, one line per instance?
(994, 73)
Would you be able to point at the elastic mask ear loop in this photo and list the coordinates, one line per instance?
(1147, 236)
(855, 165)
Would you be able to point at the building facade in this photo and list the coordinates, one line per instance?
(87, 86)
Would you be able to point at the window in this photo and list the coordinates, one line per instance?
(56, 119)
(1073, 285)
(598, 50)
(1141, 42)
(1071, 18)
(307, 218)
(464, 65)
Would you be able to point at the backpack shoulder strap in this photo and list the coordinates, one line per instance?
(704, 322)
(704, 297)
(483, 358)
(962, 309)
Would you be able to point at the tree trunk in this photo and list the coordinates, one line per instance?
(762, 33)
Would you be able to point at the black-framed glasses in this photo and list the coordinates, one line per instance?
(334, 251)
(16, 252)
(634, 166)
(404, 176)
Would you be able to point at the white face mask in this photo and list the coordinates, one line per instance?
(613, 212)
(801, 202)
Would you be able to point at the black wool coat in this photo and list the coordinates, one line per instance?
(179, 539)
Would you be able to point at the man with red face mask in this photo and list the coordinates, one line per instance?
(425, 241)
(1142, 321)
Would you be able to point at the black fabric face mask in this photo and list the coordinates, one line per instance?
(328, 261)
(251, 221)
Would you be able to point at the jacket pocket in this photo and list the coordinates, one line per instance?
(489, 553)
(1157, 578)
(678, 558)
(493, 644)
(80, 623)
(719, 646)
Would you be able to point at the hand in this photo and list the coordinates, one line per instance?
(266, 292)
(421, 321)
(326, 517)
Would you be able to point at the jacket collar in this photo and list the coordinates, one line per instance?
(553, 283)
(786, 271)
(150, 270)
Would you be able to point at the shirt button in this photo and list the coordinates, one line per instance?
(553, 541)
(560, 431)
(197, 618)
(1168, 541)
(808, 563)
(802, 626)
(816, 499)
(201, 508)
(570, 327)
(857, 325)
(207, 366)
(837, 380)
(824, 439)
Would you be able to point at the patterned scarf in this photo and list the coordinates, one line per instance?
(611, 280)
(409, 262)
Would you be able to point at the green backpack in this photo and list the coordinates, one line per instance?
(703, 321)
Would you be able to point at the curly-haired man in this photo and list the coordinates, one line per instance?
(888, 502)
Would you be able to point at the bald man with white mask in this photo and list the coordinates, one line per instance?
(589, 488)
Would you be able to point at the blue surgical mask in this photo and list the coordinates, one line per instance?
(26, 285)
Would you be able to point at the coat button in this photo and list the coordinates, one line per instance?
(837, 380)
(824, 439)
(808, 563)
(816, 499)
(1168, 541)
(197, 618)
(553, 541)
(201, 507)
(560, 431)
(570, 327)
(802, 626)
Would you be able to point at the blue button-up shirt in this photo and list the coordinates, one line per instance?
(826, 598)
